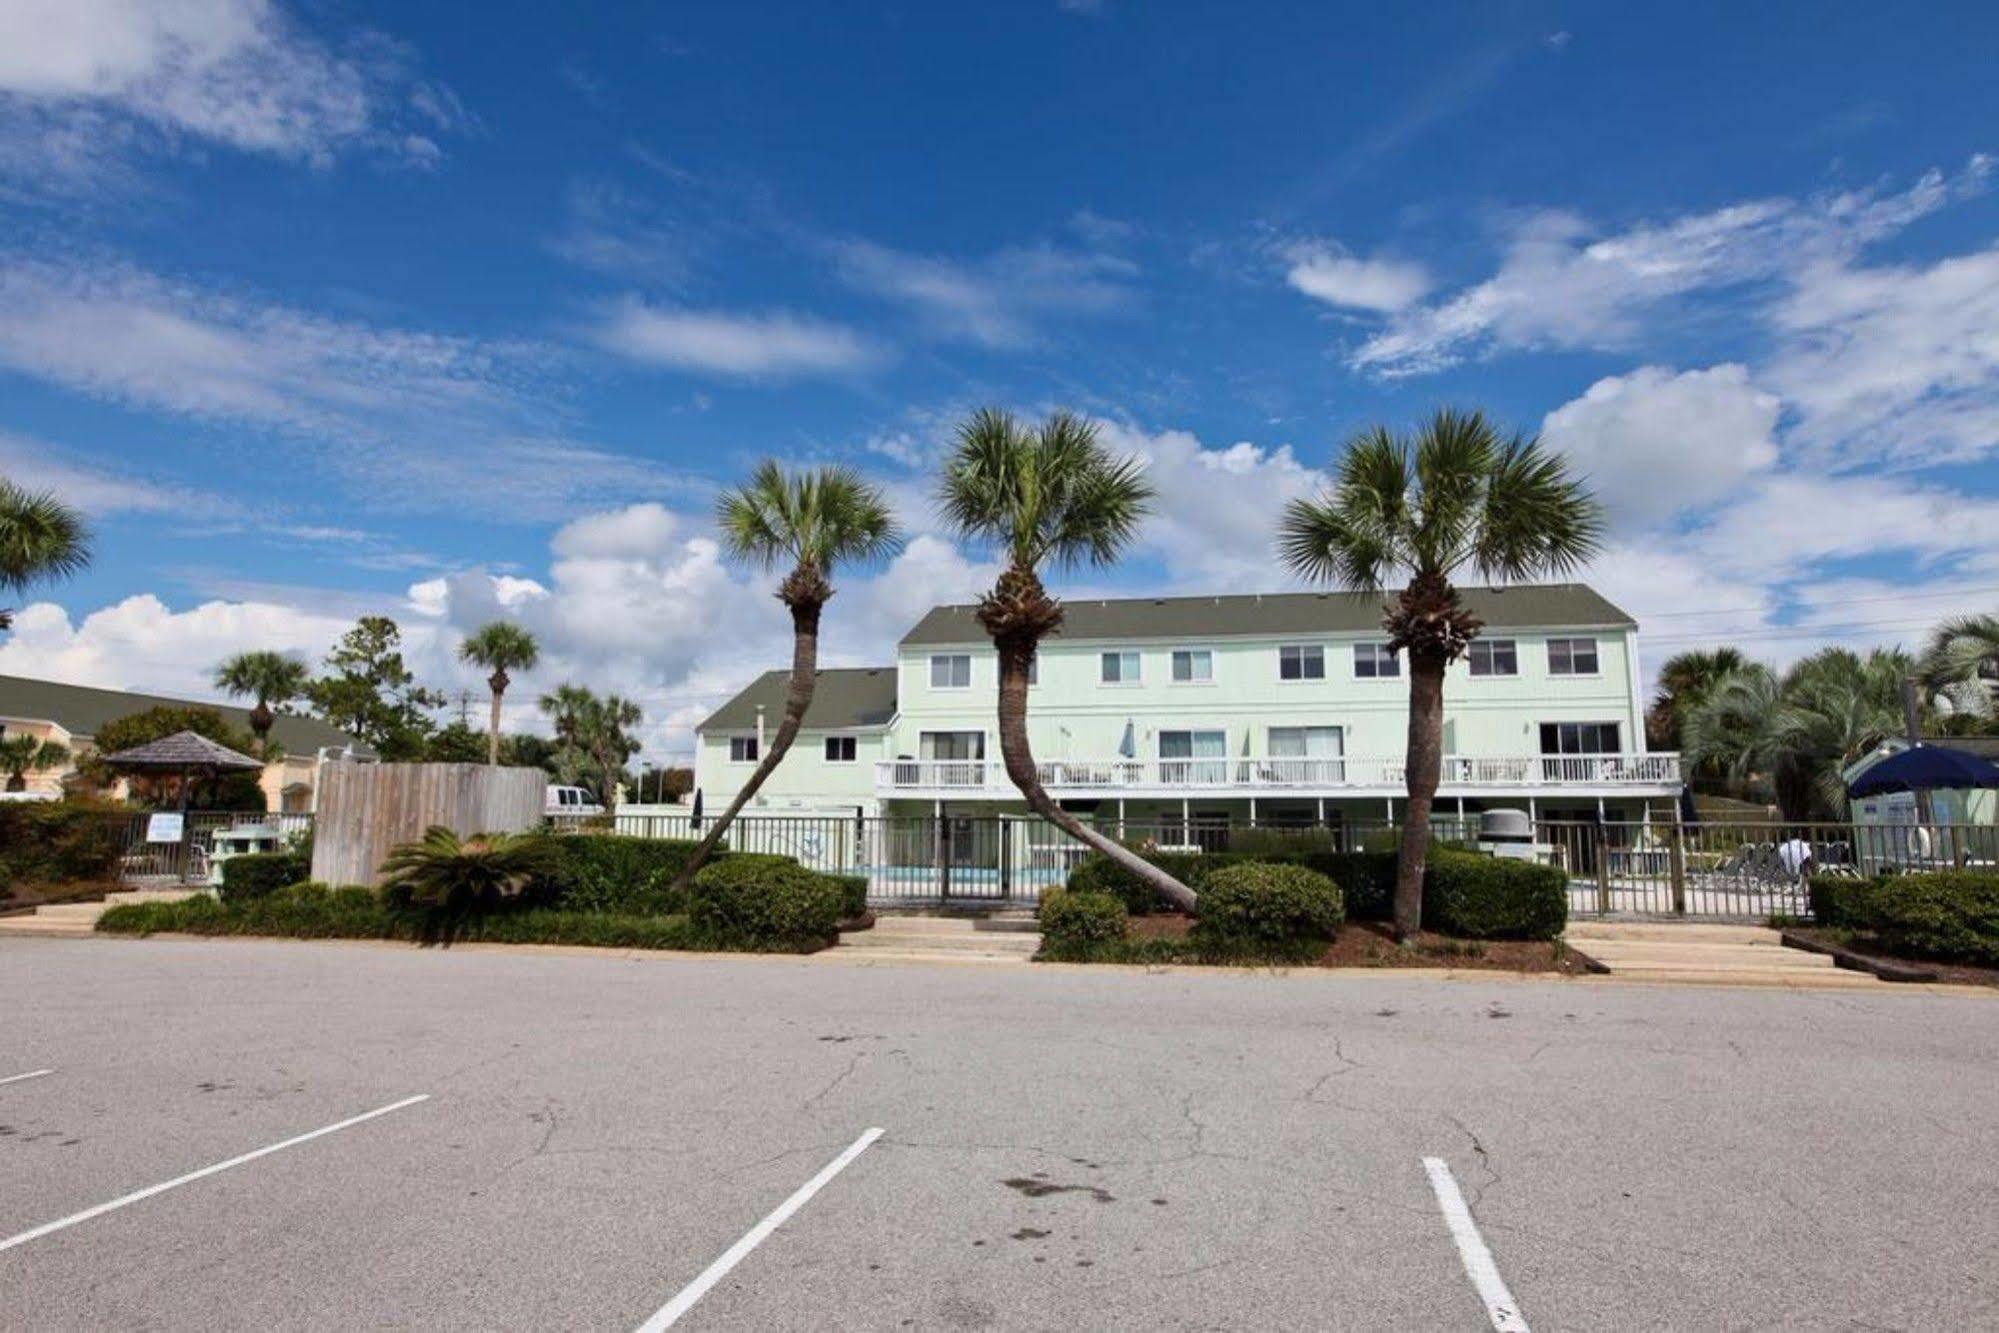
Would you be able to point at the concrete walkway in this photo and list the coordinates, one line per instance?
(77, 919)
(1705, 954)
(1000, 939)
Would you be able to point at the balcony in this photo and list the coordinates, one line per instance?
(1353, 775)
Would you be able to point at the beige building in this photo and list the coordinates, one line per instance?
(71, 715)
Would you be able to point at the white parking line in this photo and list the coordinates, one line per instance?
(1500, 1307)
(33, 1073)
(124, 1200)
(669, 1314)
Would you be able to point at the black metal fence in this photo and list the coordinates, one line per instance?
(165, 849)
(1715, 871)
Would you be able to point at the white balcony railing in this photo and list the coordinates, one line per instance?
(1257, 775)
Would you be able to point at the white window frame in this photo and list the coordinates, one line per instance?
(1491, 647)
(1569, 646)
(1375, 651)
(1189, 655)
(744, 749)
(940, 659)
(1105, 658)
(1206, 769)
(1302, 650)
(851, 744)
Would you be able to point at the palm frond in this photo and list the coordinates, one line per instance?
(1537, 520)
(40, 538)
(500, 646)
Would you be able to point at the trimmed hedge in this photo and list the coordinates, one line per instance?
(1267, 911)
(57, 842)
(1078, 926)
(1949, 915)
(766, 902)
(260, 873)
(609, 872)
(1489, 898)
(853, 895)
(1366, 880)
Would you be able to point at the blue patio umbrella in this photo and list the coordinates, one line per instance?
(1127, 746)
(1925, 768)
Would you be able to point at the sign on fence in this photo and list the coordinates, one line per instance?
(166, 827)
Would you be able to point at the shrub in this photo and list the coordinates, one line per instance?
(1842, 902)
(1950, 915)
(765, 902)
(608, 872)
(1366, 879)
(1097, 873)
(1489, 898)
(1280, 844)
(57, 842)
(1079, 926)
(253, 876)
(1263, 910)
(853, 891)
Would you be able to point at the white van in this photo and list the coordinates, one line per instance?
(572, 803)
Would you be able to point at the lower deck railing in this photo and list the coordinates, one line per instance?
(1280, 773)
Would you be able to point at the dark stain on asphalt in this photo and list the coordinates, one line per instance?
(1029, 1233)
(1039, 1187)
(1497, 1012)
(213, 1087)
(853, 1036)
(1159, 1203)
(1386, 1013)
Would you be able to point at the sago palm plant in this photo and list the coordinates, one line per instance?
(814, 522)
(1043, 495)
(448, 873)
(1456, 498)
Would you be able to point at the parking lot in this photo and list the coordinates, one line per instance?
(228, 1134)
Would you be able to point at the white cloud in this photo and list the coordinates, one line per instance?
(996, 301)
(1653, 444)
(1897, 364)
(1560, 286)
(609, 230)
(239, 73)
(1380, 285)
(92, 487)
(719, 342)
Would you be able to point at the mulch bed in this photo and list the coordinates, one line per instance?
(1372, 944)
(1955, 974)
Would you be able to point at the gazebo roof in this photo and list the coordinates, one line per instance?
(180, 751)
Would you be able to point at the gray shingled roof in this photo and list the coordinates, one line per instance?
(83, 710)
(183, 750)
(1540, 606)
(841, 697)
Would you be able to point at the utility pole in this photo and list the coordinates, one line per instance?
(464, 708)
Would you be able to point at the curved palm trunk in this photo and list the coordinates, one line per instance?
(806, 592)
(1018, 613)
(497, 682)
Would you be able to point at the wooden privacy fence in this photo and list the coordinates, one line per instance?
(367, 810)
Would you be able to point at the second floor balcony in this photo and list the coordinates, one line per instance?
(1350, 775)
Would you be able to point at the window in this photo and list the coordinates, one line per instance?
(1375, 661)
(840, 749)
(742, 749)
(951, 671)
(1192, 666)
(1494, 657)
(952, 745)
(1572, 657)
(1193, 756)
(1034, 669)
(1120, 669)
(1305, 661)
(1306, 755)
(1580, 738)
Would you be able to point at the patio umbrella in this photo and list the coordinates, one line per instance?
(1925, 768)
(694, 816)
(187, 753)
(1127, 746)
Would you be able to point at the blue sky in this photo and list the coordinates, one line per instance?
(330, 307)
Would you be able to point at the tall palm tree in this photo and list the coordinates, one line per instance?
(272, 679)
(500, 648)
(1683, 679)
(1799, 732)
(1961, 665)
(1047, 494)
(40, 538)
(22, 755)
(1454, 498)
(594, 732)
(814, 522)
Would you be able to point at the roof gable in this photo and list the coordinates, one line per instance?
(82, 710)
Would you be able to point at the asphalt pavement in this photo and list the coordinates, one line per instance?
(237, 1134)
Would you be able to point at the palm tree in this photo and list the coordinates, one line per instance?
(22, 755)
(1800, 732)
(814, 522)
(1456, 497)
(1683, 680)
(1961, 665)
(593, 731)
(40, 538)
(1044, 494)
(273, 679)
(500, 648)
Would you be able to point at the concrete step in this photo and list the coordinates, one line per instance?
(1672, 932)
(1833, 980)
(870, 940)
(870, 957)
(1758, 955)
(47, 925)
